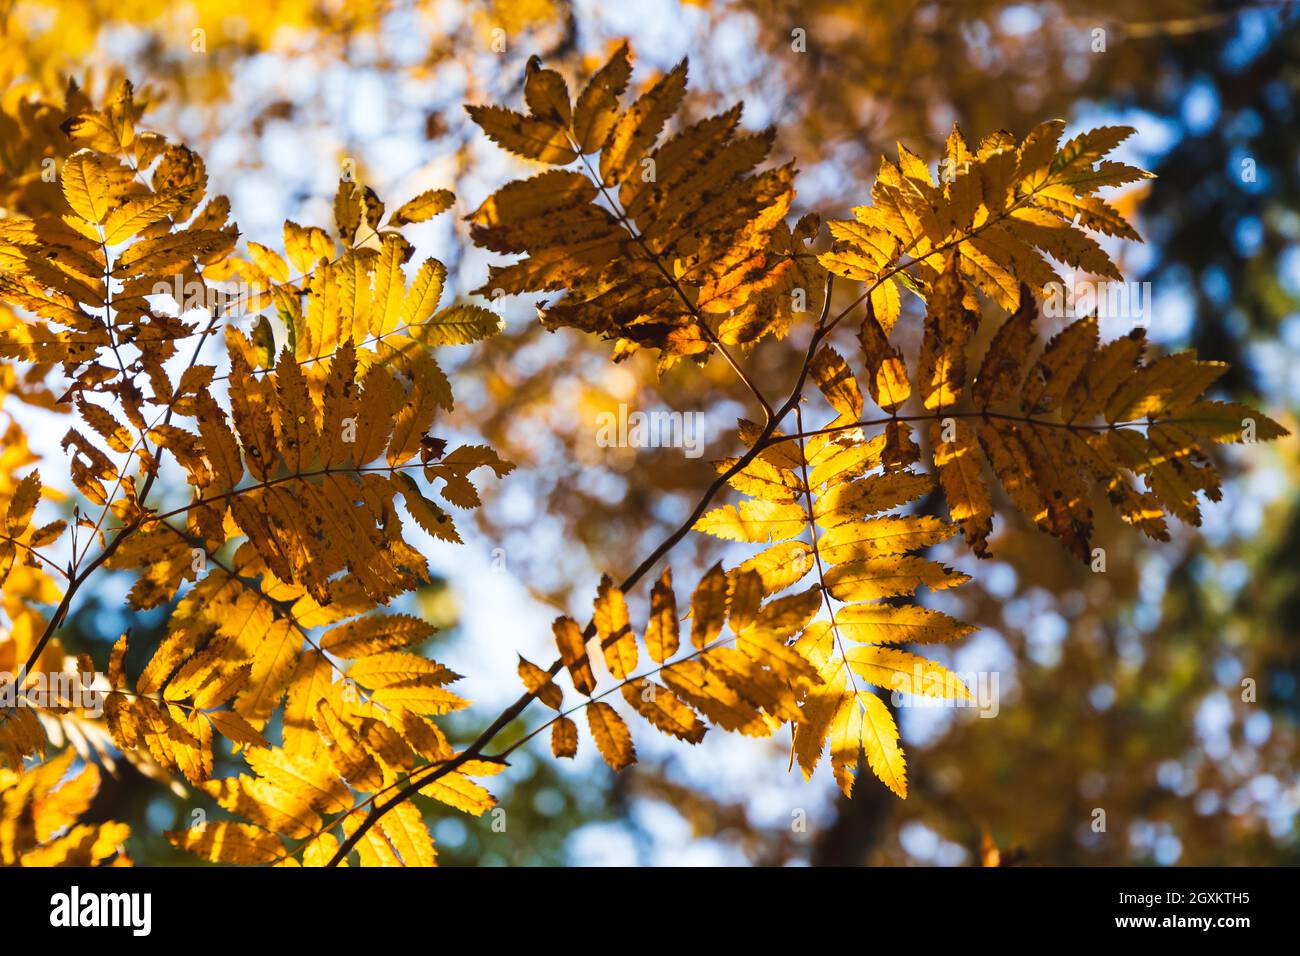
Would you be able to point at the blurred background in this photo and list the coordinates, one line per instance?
(1165, 692)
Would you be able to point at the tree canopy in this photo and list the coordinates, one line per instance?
(404, 401)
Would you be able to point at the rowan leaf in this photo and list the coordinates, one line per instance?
(612, 737)
(424, 206)
(541, 140)
(226, 842)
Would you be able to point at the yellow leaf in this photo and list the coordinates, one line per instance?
(137, 214)
(419, 698)
(414, 419)
(347, 210)
(662, 632)
(547, 94)
(219, 444)
(22, 504)
(887, 624)
(226, 842)
(235, 728)
(564, 737)
(881, 537)
(389, 285)
(409, 836)
(459, 325)
(880, 744)
(695, 682)
(269, 261)
(614, 630)
(893, 669)
(871, 579)
(351, 758)
(887, 380)
(309, 684)
(597, 107)
(86, 186)
(321, 850)
(846, 741)
(763, 479)
(949, 326)
(1060, 364)
(266, 805)
(1004, 362)
(754, 683)
(424, 206)
(754, 520)
(709, 607)
(836, 381)
(664, 710)
(272, 666)
(375, 633)
(573, 652)
(538, 682)
(745, 596)
(638, 128)
(457, 790)
(957, 461)
(852, 501)
(315, 781)
(1110, 367)
(786, 615)
(612, 737)
(781, 565)
(1225, 422)
(399, 669)
(543, 141)
(305, 247)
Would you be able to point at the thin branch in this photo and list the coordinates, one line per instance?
(696, 652)
(33, 552)
(56, 620)
(475, 749)
(79, 577)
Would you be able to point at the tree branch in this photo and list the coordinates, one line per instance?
(475, 749)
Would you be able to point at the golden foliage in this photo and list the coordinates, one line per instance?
(996, 212)
(651, 243)
(308, 449)
(294, 524)
(38, 825)
(860, 561)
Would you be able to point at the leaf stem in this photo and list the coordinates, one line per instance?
(672, 280)
(475, 749)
